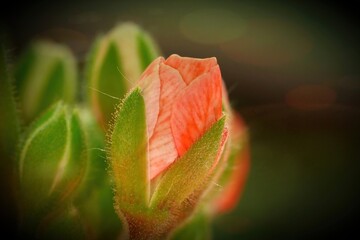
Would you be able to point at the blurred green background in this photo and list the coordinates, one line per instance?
(292, 71)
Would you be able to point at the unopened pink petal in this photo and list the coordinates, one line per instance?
(197, 108)
(150, 84)
(162, 149)
(190, 68)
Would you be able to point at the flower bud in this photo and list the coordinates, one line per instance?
(51, 164)
(166, 141)
(45, 74)
(115, 63)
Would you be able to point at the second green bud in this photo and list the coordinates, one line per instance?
(115, 63)
(51, 164)
(45, 73)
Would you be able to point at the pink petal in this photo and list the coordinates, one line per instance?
(150, 84)
(162, 149)
(197, 108)
(190, 68)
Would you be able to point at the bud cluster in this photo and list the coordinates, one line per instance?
(136, 150)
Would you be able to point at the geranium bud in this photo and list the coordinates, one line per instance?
(166, 142)
(51, 163)
(46, 73)
(115, 63)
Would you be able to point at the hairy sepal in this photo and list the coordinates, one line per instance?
(128, 154)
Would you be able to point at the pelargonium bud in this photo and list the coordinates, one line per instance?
(46, 73)
(51, 164)
(115, 63)
(165, 144)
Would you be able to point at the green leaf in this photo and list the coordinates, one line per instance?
(45, 73)
(51, 164)
(188, 174)
(128, 154)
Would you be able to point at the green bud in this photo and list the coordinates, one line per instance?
(152, 210)
(115, 63)
(51, 164)
(128, 154)
(45, 74)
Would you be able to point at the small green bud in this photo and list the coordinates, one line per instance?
(45, 74)
(115, 63)
(51, 164)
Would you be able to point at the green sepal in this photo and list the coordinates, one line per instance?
(51, 164)
(128, 154)
(226, 174)
(190, 173)
(44, 74)
(228, 164)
